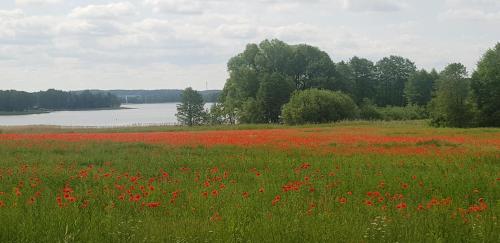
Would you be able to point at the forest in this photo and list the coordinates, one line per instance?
(19, 101)
(275, 82)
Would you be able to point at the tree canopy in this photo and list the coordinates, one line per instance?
(451, 106)
(263, 76)
(486, 87)
(15, 101)
(191, 110)
(392, 73)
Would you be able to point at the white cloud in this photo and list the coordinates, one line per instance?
(373, 5)
(112, 10)
(470, 15)
(16, 13)
(37, 2)
(176, 43)
(472, 10)
(177, 6)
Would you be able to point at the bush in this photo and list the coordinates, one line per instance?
(368, 111)
(318, 106)
(410, 112)
(251, 112)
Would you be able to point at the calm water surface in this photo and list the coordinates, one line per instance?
(139, 115)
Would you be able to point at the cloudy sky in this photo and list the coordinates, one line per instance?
(152, 44)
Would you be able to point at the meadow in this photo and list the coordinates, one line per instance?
(345, 182)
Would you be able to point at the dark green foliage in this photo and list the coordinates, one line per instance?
(364, 79)
(418, 89)
(156, 96)
(369, 111)
(313, 68)
(216, 114)
(398, 113)
(191, 110)
(486, 87)
(252, 112)
(318, 106)
(273, 93)
(345, 78)
(451, 106)
(392, 74)
(262, 78)
(12, 101)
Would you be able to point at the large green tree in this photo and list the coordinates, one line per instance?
(419, 87)
(486, 87)
(191, 109)
(312, 68)
(263, 77)
(364, 78)
(274, 92)
(451, 105)
(392, 74)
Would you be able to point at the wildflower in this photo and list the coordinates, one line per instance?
(18, 191)
(207, 184)
(276, 199)
(31, 201)
(2, 204)
(214, 170)
(404, 186)
(153, 204)
(401, 205)
(85, 204)
(342, 200)
(261, 190)
(305, 166)
(135, 198)
(216, 217)
(245, 194)
(215, 193)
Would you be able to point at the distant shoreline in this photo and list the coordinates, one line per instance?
(35, 112)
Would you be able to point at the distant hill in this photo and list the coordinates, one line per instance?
(156, 96)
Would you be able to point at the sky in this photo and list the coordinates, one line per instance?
(167, 44)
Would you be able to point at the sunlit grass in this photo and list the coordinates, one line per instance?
(97, 191)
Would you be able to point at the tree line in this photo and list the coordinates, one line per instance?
(275, 82)
(19, 101)
(156, 96)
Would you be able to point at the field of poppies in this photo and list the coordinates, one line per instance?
(353, 182)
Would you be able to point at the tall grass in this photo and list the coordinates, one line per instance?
(247, 182)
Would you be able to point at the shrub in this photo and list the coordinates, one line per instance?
(318, 106)
(369, 111)
(410, 112)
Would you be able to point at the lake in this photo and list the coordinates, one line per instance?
(137, 115)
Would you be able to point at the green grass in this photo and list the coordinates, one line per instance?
(61, 129)
(300, 216)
